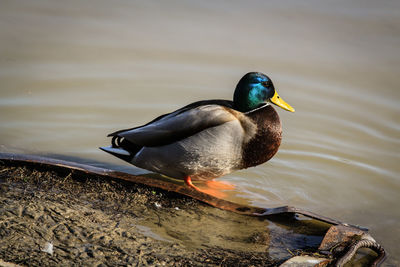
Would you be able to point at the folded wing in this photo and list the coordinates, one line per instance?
(177, 125)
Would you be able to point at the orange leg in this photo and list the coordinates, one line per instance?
(188, 182)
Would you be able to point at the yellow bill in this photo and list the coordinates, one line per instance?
(277, 100)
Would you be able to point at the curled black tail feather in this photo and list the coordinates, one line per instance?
(116, 141)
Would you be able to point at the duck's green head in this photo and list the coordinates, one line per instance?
(254, 90)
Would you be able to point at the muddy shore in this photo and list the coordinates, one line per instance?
(52, 218)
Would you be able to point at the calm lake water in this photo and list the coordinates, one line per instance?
(73, 71)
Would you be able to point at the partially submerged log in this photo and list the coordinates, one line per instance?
(54, 211)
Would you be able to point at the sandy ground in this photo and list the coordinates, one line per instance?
(64, 218)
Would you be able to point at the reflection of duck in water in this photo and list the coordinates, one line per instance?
(208, 139)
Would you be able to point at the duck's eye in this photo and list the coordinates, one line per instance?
(266, 84)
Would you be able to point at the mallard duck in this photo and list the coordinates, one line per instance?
(208, 139)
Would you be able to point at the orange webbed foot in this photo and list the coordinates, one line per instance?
(223, 185)
(213, 189)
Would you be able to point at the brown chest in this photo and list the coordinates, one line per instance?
(265, 143)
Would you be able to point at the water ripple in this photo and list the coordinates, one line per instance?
(330, 157)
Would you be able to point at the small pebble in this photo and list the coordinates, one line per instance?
(48, 248)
